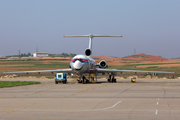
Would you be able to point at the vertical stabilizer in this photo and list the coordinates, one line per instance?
(91, 37)
(90, 42)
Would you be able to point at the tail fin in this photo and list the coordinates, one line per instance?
(91, 37)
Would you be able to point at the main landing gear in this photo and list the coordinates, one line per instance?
(111, 79)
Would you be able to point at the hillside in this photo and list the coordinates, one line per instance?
(136, 57)
(144, 57)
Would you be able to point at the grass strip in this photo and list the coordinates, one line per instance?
(16, 83)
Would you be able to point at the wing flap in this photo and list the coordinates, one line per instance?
(39, 71)
(99, 70)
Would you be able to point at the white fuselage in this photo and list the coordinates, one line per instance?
(81, 64)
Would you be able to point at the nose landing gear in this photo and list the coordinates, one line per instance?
(83, 80)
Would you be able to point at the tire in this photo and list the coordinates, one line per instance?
(87, 81)
(79, 81)
(113, 80)
(56, 82)
(64, 82)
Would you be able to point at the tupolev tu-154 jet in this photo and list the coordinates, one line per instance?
(85, 64)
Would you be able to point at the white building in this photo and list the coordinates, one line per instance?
(2, 57)
(40, 54)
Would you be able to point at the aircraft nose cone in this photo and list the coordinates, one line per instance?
(77, 65)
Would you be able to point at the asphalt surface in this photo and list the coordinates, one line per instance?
(147, 99)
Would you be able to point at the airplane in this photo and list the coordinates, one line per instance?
(85, 64)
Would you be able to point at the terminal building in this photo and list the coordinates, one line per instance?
(40, 54)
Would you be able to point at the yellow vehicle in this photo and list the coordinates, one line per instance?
(133, 79)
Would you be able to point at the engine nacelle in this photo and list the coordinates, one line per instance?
(103, 64)
(88, 52)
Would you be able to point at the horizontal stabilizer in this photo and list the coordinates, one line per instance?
(92, 36)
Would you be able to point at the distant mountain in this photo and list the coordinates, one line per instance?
(136, 57)
(144, 57)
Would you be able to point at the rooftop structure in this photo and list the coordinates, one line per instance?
(40, 54)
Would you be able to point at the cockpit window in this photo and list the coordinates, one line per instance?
(73, 60)
(80, 59)
(85, 60)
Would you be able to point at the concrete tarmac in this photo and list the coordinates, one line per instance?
(147, 99)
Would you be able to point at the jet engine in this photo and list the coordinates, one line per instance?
(87, 52)
(102, 64)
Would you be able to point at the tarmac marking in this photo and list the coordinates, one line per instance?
(156, 112)
(7, 111)
(98, 87)
(92, 91)
(104, 108)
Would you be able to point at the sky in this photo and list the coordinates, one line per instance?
(148, 26)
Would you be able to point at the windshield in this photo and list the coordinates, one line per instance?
(59, 76)
(81, 60)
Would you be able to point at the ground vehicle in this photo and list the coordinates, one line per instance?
(60, 77)
(133, 79)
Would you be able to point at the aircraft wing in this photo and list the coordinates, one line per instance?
(39, 71)
(100, 70)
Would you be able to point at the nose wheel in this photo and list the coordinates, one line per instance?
(83, 80)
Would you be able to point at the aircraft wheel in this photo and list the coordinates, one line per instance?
(84, 80)
(109, 79)
(56, 82)
(87, 81)
(80, 81)
(113, 80)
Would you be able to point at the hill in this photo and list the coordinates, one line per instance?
(136, 57)
(144, 57)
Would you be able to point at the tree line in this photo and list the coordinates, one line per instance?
(50, 55)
